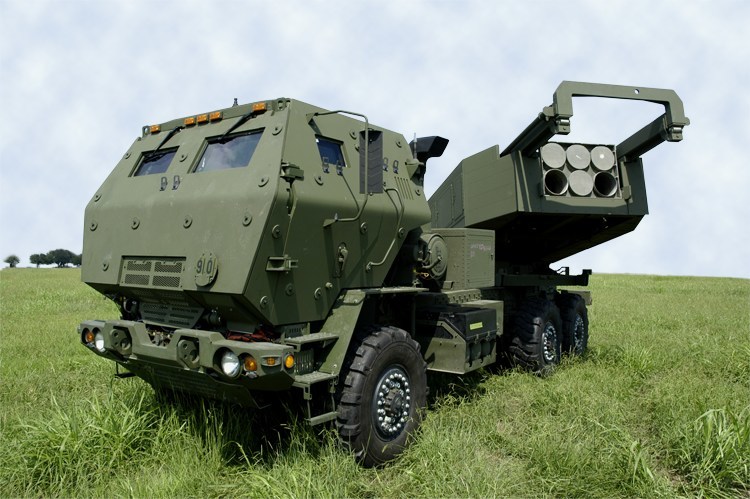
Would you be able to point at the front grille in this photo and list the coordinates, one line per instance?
(152, 272)
(136, 279)
(166, 281)
(168, 266)
(181, 316)
(138, 266)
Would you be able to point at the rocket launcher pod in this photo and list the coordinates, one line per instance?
(548, 200)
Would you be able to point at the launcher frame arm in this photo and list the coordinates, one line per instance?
(555, 119)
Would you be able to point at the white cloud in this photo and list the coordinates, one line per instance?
(81, 77)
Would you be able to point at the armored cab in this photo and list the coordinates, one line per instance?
(245, 225)
(279, 246)
(251, 215)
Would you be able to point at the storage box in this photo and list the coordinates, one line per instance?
(471, 258)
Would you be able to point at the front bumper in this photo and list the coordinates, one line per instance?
(189, 360)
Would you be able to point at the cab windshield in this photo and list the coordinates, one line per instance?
(232, 152)
(155, 162)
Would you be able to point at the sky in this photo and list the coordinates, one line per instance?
(79, 78)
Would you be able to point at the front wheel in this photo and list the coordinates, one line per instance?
(383, 396)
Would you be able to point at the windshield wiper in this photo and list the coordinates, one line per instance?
(171, 134)
(243, 119)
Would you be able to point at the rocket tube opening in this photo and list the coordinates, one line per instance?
(602, 158)
(581, 183)
(555, 182)
(553, 155)
(578, 156)
(605, 184)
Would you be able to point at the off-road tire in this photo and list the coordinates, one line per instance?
(575, 324)
(535, 337)
(385, 378)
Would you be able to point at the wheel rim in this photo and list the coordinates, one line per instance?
(392, 402)
(578, 333)
(549, 342)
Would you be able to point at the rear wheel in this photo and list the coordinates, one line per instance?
(383, 395)
(535, 336)
(575, 324)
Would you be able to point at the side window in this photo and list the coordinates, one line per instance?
(330, 152)
(152, 163)
(232, 152)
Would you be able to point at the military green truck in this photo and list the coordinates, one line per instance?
(280, 247)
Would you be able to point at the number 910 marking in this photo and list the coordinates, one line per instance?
(205, 269)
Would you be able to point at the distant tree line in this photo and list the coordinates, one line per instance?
(59, 257)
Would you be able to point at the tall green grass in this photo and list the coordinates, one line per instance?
(660, 406)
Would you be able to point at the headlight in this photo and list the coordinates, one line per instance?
(99, 341)
(230, 364)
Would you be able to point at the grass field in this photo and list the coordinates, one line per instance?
(660, 406)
